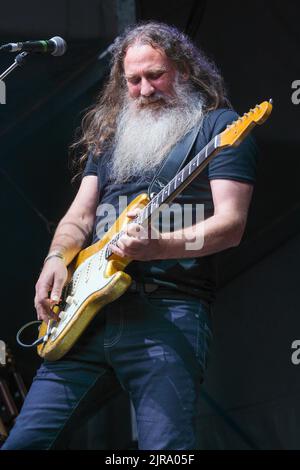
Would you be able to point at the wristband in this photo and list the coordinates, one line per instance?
(53, 254)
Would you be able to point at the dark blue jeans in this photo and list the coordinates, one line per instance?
(155, 348)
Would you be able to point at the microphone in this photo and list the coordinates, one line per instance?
(55, 46)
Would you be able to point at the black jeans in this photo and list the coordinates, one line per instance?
(155, 348)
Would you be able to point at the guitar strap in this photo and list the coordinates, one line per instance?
(174, 162)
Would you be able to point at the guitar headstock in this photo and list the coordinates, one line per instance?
(237, 131)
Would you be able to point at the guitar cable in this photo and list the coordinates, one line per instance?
(38, 341)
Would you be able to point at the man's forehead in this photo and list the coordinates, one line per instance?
(144, 57)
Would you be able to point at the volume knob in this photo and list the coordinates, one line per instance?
(62, 315)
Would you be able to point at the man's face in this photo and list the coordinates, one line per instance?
(150, 75)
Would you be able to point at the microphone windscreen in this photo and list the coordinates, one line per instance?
(60, 46)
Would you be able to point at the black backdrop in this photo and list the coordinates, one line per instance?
(250, 395)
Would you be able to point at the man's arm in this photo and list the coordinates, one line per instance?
(75, 227)
(224, 229)
(70, 236)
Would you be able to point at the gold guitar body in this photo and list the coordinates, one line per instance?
(95, 282)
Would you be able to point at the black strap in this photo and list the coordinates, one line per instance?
(174, 162)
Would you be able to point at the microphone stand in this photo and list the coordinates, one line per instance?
(20, 60)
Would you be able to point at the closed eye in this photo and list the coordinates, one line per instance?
(150, 76)
(134, 80)
(156, 75)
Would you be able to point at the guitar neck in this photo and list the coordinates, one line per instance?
(180, 181)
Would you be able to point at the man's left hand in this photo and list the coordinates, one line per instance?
(139, 243)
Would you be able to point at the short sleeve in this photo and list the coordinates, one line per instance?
(91, 167)
(235, 163)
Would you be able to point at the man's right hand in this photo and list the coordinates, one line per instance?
(51, 282)
(72, 233)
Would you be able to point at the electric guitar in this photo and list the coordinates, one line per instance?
(97, 274)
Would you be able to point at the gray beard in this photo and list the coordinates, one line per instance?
(145, 136)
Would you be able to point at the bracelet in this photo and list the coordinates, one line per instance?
(53, 254)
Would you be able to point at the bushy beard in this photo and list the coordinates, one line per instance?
(148, 128)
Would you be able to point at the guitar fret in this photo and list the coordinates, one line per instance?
(152, 206)
(145, 213)
(160, 195)
(154, 202)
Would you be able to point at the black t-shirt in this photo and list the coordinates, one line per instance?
(194, 275)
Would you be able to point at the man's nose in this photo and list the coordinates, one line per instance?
(146, 88)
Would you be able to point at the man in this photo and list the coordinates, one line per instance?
(153, 341)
